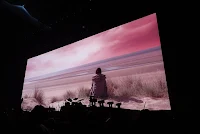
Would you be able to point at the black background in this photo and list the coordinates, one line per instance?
(71, 21)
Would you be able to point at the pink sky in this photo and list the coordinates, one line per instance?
(127, 38)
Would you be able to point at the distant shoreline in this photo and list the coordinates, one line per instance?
(46, 79)
(85, 78)
(97, 63)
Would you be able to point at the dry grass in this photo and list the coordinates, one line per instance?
(69, 94)
(83, 92)
(39, 96)
(111, 87)
(141, 85)
(157, 88)
(55, 99)
(145, 85)
(26, 96)
(150, 85)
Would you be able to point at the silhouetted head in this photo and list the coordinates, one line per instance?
(38, 114)
(98, 71)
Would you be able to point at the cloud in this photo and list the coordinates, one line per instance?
(130, 37)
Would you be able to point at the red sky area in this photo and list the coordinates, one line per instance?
(134, 36)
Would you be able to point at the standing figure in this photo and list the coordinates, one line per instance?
(99, 87)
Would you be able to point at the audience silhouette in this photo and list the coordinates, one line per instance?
(75, 115)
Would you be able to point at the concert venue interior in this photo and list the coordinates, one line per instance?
(57, 47)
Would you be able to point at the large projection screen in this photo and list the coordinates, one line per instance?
(129, 56)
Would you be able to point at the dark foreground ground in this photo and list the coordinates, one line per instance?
(81, 119)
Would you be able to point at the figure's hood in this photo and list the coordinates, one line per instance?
(99, 77)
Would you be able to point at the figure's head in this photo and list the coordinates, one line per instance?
(98, 71)
(38, 114)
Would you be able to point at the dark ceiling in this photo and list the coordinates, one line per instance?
(74, 20)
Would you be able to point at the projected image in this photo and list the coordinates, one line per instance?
(123, 64)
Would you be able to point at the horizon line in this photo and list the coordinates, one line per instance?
(92, 63)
